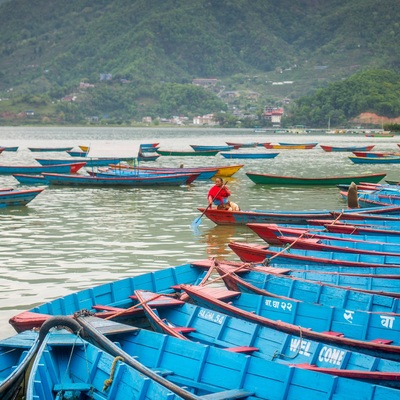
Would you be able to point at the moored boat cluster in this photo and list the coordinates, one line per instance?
(313, 312)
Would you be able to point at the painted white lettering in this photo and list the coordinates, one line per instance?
(387, 321)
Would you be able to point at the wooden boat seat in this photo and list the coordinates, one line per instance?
(183, 329)
(382, 341)
(242, 349)
(228, 394)
(110, 310)
(333, 333)
(72, 386)
(214, 395)
(161, 301)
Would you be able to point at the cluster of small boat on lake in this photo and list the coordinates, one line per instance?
(312, 312)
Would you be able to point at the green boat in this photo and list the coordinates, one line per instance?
(188, 153)
(268, 179)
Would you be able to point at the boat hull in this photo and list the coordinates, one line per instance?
(68, 168)
(269, 179)
(204, 153)
(109, 298)
(156, 180)
(18, 197)
(16, 354)
(249, 155)
(256, 308)
(346, 148)
(375, 160)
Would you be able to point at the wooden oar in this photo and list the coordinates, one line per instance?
(197, 221)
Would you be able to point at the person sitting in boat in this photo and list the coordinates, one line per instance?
(219, 194)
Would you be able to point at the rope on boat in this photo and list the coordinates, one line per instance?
(122, 312)
(267, 261)
(109, 381)
(276, 354)
(244, 265)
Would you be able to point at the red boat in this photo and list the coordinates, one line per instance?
(231, 303)
(346, 148)
(359, 230)
(272, 233)
(257, 253)
(374, 154)
(324, 245)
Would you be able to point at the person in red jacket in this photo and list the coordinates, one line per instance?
(219, 194)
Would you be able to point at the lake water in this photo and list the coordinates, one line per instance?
(72, 238)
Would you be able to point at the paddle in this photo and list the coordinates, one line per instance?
(197, 220)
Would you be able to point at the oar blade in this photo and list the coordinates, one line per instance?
(196, 222)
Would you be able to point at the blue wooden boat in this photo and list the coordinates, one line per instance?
(213, 373)
(283, 284)
(16, 354)
(68, 367)
(357, 282)
(77, 153)
(27, 179)
(203, 148)
(183, 153)
(18, 197)
(383, 196)
(368, 202)
(145, 158)
(222, 217)
(111, 297)
(224, 170)
(203, 174)
(9, 148)
(148, 147)
(384, 266)
(375, 160)
(141, 181)
(361, 230)
(249, 155)
(272, 232)
(90, 161)
(189, 322)
(49, 149)
(67, 168)
(284, 315)
(331, 245)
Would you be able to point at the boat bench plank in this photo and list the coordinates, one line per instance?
(242, 349)
(227, 394)
(72, 386)
(382, 341)
(183, 329)
(106, 327)
(333, 333)
(109, 310)
(161, 301)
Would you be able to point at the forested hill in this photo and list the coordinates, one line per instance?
(176, 40)
(49, 46)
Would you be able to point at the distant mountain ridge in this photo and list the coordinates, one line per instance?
(49, 46)
(176, 40)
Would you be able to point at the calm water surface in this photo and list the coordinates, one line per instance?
(72, 238)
